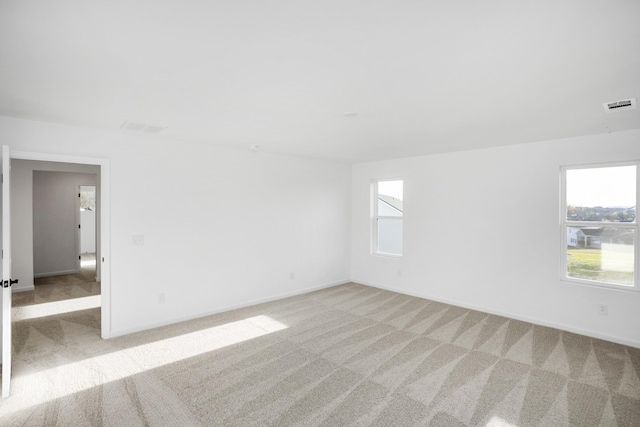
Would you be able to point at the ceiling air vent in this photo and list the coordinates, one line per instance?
(625, 104)
(141, 127)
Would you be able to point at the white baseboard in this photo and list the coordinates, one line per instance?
(514, 316)
(55, 273)
(121, 332)
(16, 289)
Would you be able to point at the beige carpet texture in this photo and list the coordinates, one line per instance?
(349, 355)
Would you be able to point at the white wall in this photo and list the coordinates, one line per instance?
(55, 221)
(227, 227)
(481, 230)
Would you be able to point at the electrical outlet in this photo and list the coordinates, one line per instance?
(137, 240)
(603, 309)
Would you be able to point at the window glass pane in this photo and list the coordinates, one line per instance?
(602, 194)
(604, 254)
(390, 198)
(390, 236)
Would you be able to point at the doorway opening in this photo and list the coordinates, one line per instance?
(64, 218)
(88, 272)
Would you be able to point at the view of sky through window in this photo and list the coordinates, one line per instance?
(606, 187)
(391, 188)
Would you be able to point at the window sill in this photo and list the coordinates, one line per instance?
(384, 255)
(599, 285)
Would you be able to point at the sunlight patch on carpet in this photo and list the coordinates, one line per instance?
(499, 422)
(55, 307)
(68, 378)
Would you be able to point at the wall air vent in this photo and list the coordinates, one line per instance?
(141, 127)
(625, 104)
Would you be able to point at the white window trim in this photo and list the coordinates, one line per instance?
(375, 217)
(564, 223)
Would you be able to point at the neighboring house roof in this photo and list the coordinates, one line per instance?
(592, 231)
(391, 201)
(605, 232)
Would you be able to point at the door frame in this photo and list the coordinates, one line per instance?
(103, 264)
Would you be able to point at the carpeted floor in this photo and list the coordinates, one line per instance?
(347, 355)
(59, 288)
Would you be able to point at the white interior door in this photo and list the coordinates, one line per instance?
(6, 274)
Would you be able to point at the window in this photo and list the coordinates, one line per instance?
(387, 217)
(599, 225)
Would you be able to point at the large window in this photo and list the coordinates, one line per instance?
(387, 217)
(599, 225)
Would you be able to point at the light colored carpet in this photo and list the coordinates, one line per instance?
(347, 355)
(63, 287)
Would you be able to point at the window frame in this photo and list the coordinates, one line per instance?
(375, 217)
(564, 223)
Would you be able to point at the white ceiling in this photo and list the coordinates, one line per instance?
(423, 76)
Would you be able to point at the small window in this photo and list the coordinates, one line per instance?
(387, 217)
(599, 225)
